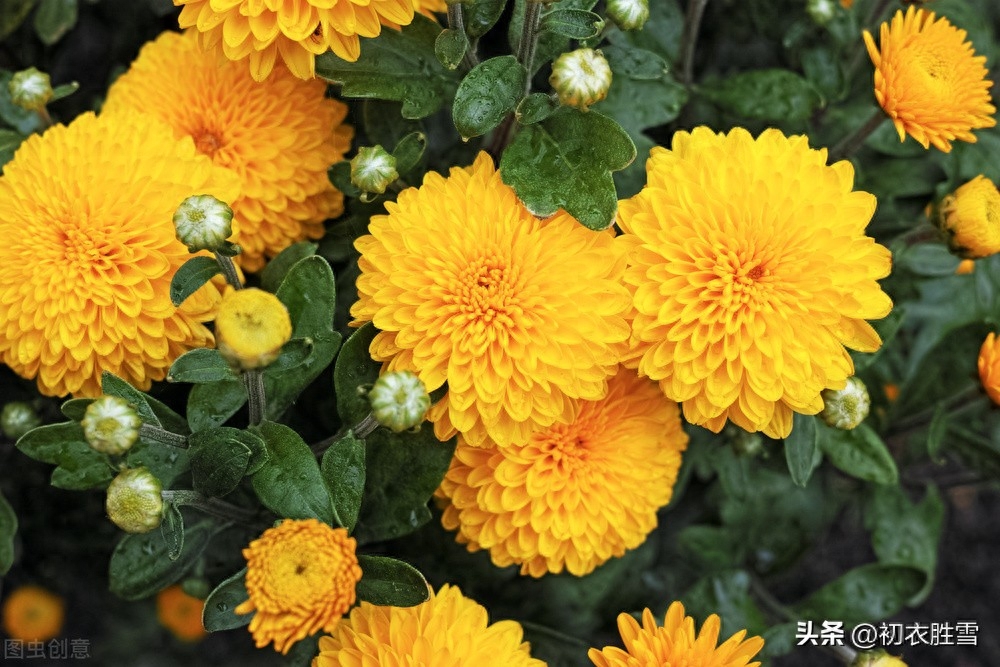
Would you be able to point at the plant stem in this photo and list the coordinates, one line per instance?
(852, 142)
(212, 506)
(253, 380)
(366, 426)
(970, 397)
(47, 121)
(229, 270)
(529, 39)
(692, 24)
(157, 434)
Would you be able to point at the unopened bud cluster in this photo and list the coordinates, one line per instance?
(581, 78)
(111, 425)
(135, 500)
(30, 89)
(399, 400)
(203, 222)
(846, 408)
(373, 170)
(628, 14)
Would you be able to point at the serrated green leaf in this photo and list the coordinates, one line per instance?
(535, 108)
(450, 47)
(8, 529)
(572, 23)
(12, 14)
(290, 483)
(355, 368)
(408, 151)
(487, 94)
(866, 593)
(54, 19)
(211, 405)
(199, 366)
(140, 565)
(220, 457)
(773, 95)
(860, 453)
(220, 605)
(190, 277)
(278, 268)
(802, 450)
(481, 15)
(343, 471)
(390, 582)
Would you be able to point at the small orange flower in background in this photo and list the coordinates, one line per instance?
(746, 292)
(296, 31)
(677, 643)
(846, 4)
(891, 392)
(965, 267)
(573, 495)
(989, 367)
(280, 137)
(518, 315)
(32, 613)
(180, 613)
(448, 630)
(89, 251)
(929, 80)
(970, 216)
(301, 577)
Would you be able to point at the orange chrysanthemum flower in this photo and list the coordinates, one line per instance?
(574, 495)
(677, 643)
(33, 614)
(180, 613)
(929, 80)
(89, 251)
(750, 271)
(448, 630)
(516, 314)
(280, 136)
(301, 577)
(297, 31)
(989, 367)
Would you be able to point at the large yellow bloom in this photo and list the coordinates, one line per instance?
(970, 216)
(574, 495)
(676, 643)
(280, 136)
(516, 314)
(750, 271)
(448, 630)
(301, 577)
(929, 80)
(297, 31)
(89, 250)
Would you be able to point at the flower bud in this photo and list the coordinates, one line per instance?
(581, 78)
(111, 425)
(203, 222)
(877, 659)
(399, 400)
(965, 267)
(373, 169)
(134, 502)
(822, 11)
(989, 367)
(846, 408)
(250, 328)
(970, 217)
(628, 14)
(744, 443)
(17, 419)
(30, 89)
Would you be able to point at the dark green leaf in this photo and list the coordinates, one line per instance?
(290, 483)
(12, 13)
(860, 453)
(712, 546)
(79, 466)
(384, 123)
(8, 529)
(937, 431)
(54, 18)
(802, 449)
(199, 366)
(824, 70)
(9, 142)
(901, 177)
(220, 458)
(340, 175)
(637, 64)
(398, 66)
(219, 611)
(344, 473)
(535, 108)
(293, 354)
(390, 582)
(487, 94)
(191, 276)
(79, 471)
(549, 44)
(172, 530)
(278, 268)
(65, 90)
(728, 595)
(408, 151)
(291, 373)
(115, 386)
(166, 462)
(309, 292)
(140, 565)
(211, 405)
(355, 368)
(450, 47)
(661, 34)
(864, 594)
(572, 23)
(773, 95)
(75, 408)
(46, 443)
(779, 640)
(885, 140)
(481, 15)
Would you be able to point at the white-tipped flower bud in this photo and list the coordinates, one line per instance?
(846, 408)
(135, 501)
(111, 425)
(581, 78)
(822, 11)
(203, 222)
(373, 169)
(30, 89)
(399, 400)
(17, 419)
(877, 659)
(628, 14)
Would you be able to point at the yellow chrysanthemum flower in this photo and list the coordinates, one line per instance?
(516, 314)
(280, 137)
(573, 495)
(676, 643)
(33, 614)
(251, 327)
(929, 80)
(261, 31)
(989, 367)
(750, 272)
(89, 251)
(970, 216)
(301, 577)
(180, 613)
(448, 630)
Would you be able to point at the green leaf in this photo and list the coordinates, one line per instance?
(211, 405)
(220, 458)
(167, 463)
(65, 90)
(278, 268)
(293, 354)
(355, 368)
(343, 471)
(12, 14)
(390, 582)
(572, 23)
(340, 175)
(860, 453)
(558, 163)
(866, 593)
(399, 65)
(937, 431)
(220, 605)
(550, 44)
(9, 143)
(290, 483)
(172, 530)
(79, 466)
(711, 546)
(535, 108)
(75, 408)
(79, 471)
(140, 565)
(450, 47)
(728, 595)
(200, 365)
(802, 450)
(487, 94)
(8, 529)
(54, 19)
(191, 276)
(661, 34)
(291, 373)
(824, 70)
(773, 95)
(309, 292)
(408, 151)
(481, 15)
(143, 404)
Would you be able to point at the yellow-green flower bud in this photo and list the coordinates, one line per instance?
(373, 169)
(30, 89)
(399, 400)
(581, 78)
(745, 444)
(877, 659)
(628, 14)
(17, 419)
(203, 222)
(111, 425)
(250, 328)
(135, 501)
(970, 217)
(822, 11)
(846, 408)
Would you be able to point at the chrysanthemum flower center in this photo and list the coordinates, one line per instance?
(207, 142)
(486, 295)
(85, 252)
(937, 71)
(741, 282)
